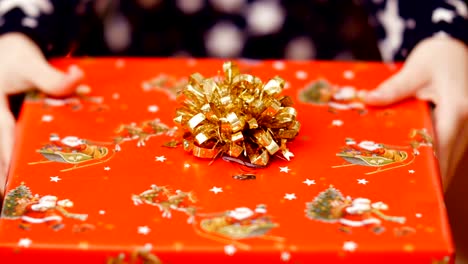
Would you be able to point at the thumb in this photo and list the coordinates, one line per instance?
(400, 86)
(51, 80)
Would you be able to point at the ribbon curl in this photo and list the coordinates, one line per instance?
(238, 115)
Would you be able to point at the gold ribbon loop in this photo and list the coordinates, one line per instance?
(237, 115)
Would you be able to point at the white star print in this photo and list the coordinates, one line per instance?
(284, 169)
(362, 181)
(394, 26)
(348, 74)
(309, 182)
(102, 212)
(186, 165)
(411, 171)
(290, 196)
(349, 246)
(337, 123)
(31, 8)
(115, 96)
(24, 242)
(418, 215)
(442, 14)
(47, 118)
(216, 190)
(288, 155)
(285, 256)
(301, 75)
(160, 158)
(107, 168)
(55, 178)
(144, 230)
(230, 250)
(460, 6)
(153, 108)
(279, 65)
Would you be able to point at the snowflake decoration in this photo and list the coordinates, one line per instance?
(31, 8)
(442, 14)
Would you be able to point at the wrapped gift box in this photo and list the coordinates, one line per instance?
(100, 177)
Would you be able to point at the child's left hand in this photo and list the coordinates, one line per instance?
(437, 71)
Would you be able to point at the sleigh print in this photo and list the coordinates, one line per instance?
(75, 151)
(238, 224)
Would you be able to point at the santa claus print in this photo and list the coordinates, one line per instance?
(332, 207)
(33, 210)
(237, 224)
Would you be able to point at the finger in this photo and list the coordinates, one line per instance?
(459, 149)
(400, 86)
(6, 140)
(52, 81)
(447, 123)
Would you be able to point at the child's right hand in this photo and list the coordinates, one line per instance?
(23, 67)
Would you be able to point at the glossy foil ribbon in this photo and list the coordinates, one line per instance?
(236, 115)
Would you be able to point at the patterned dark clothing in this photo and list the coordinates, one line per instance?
(294, 29)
